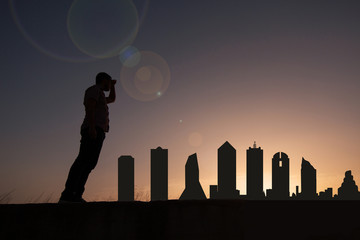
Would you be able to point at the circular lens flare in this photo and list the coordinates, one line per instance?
(148, 80)
(144, 73)
(130, 56)
(102, 28)
(142, 7)
(43, 24)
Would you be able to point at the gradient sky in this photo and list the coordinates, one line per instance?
(282, 73)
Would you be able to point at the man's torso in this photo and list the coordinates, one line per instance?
(101, 109)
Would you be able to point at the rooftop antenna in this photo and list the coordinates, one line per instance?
(254, 144)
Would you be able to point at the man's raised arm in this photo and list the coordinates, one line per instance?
(112, 95)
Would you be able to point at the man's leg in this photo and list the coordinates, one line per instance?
(84, 163)
(94, 150)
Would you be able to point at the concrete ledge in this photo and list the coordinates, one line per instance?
(203, 219)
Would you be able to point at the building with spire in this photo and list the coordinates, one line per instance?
(254, 172)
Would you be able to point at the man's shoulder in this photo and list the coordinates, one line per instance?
(94, 92)
(93, 88)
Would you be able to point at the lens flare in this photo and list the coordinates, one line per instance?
(102, 28)
(142, 7)
(43, 24)
(144, 73)
(148, 80)
(130, 56)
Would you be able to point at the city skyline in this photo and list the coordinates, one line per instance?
(196, 74)
(226, 188)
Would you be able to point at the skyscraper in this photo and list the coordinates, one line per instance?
(280, 176)
(193, 189)
(349, 189)
(308, 180)
(227, 172)
(159, 174)
(254, 172)
(126, 178)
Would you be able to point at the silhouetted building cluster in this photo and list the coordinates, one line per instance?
(326, 195)
(226, 187)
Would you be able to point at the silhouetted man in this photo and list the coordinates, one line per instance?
(93, 128)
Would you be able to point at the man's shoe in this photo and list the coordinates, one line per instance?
(74, 200)
(64, 201)
(81, 200)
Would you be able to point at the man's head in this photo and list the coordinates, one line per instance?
(104, 81)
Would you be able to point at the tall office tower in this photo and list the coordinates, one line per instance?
(308, 180)
(280, 176)
(227, 172)
(254, 172)
(193, 189)
(126, 178)
(159, 174)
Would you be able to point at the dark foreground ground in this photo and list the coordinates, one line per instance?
(208, 219)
